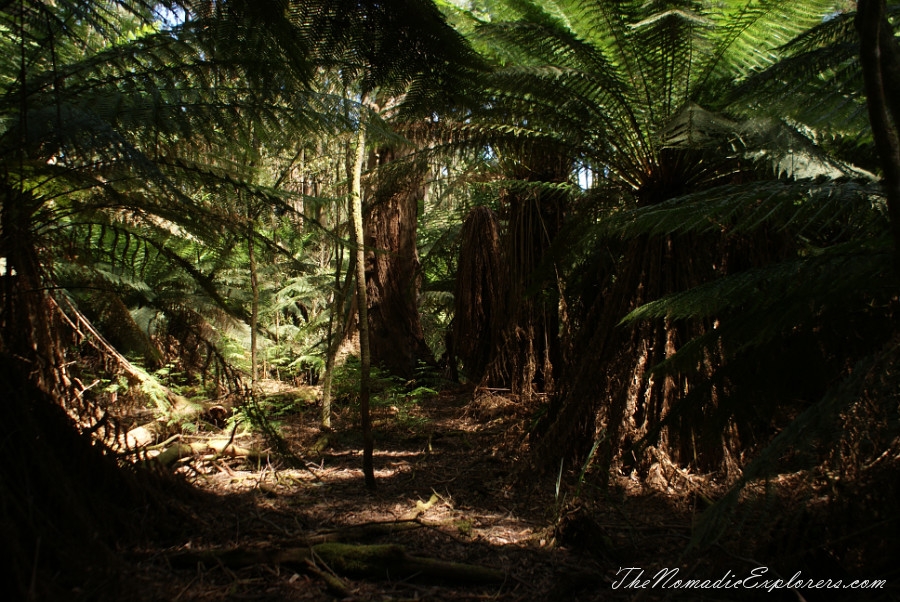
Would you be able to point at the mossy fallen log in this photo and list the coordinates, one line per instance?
(386, 561)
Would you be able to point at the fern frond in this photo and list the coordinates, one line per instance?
(756, 307)
(818, 209)
(749, 32)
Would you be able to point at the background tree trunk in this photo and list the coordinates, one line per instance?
(881, 72)
(480, 293)
(392, 263)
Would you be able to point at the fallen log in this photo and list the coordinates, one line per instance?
(363, 532)
(212, 448)
(146, 436)
(392, 561)
(389, 561)
(173, 453)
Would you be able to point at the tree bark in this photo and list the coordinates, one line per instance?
(527, 348)
(479, 295)
(365, 358)
(392, 264)
(880, 65)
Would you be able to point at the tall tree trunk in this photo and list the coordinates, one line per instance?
(611, 397)
(880, 61)
(365, 359)
(392, 263)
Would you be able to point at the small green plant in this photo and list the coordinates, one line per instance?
(387, 391)
(346, 383)
(254, 416)
(120, 384)
(280, 405)
(464, 526)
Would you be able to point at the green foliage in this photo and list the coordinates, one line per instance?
(296, 318)
(255, 414)
(388, 392)
(116, 127)
(274, 408)
(605, 80)
(817, 82)
(153, 149)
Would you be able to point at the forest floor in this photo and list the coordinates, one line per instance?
(451, 485)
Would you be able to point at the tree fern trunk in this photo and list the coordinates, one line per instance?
(365, 354)
(526, 346)
(878, 58)
(479, 294)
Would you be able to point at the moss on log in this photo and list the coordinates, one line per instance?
(386, 561)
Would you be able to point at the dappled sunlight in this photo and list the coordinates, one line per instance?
(438, 497)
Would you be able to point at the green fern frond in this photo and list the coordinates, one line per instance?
(818, 209)
(757, 306)
(816, 82)
(749, 32)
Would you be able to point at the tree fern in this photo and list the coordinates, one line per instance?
(695, 185)
(794, 307)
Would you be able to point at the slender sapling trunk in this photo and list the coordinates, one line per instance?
(364, 349)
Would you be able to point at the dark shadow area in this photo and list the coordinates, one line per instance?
(67, 505)
(448, 489)
(456, 494)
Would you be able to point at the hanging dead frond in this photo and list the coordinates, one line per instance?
(527, 351)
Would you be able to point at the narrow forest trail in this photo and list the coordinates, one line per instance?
(449, 477)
